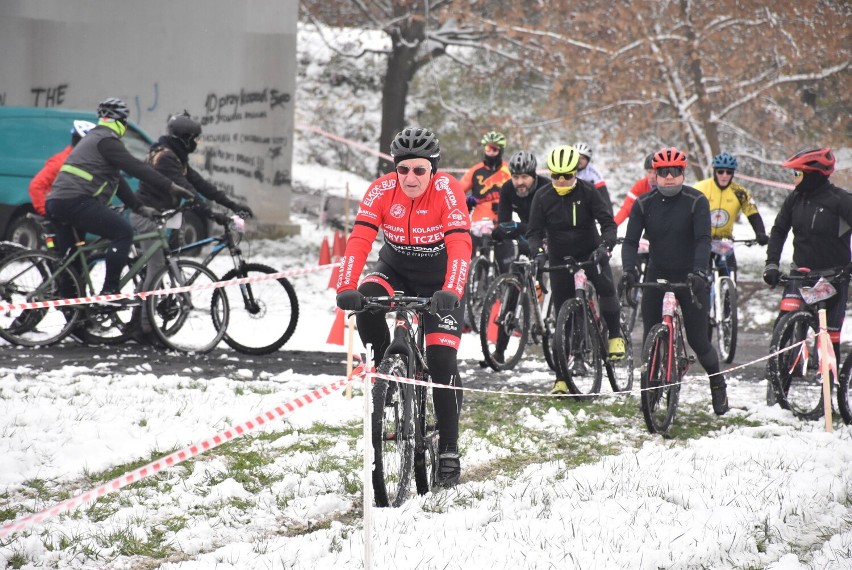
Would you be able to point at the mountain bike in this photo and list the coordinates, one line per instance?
(263, 314)
(631, 301)
(483, 271)
(795, 375)
(405, 431)
(724, 312)
(182, 321)
(512, 317)
(581, 339)
(664, 360)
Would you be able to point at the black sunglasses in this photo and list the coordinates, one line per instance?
(418, 170)
(724, 171)
(664, 171)
(565, 175)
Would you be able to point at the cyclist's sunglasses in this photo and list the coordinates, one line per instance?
(664, 171)
(565, 175)
(797, 173)
(418, 170)
(724, 171)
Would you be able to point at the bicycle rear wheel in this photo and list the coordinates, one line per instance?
(726, 320)
(620, 372)
(393, 433)
(263, 315)
(660, 394)
(426, 441)
(504, 323)
(33, 277)
(192, 321)
(795, 374)
(844, 398)
(482, 274)
(577, 350)
(100, 324)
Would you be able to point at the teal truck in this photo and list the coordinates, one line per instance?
(31, 135)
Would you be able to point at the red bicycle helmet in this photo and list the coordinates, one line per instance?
(812, 160)
(669, 156)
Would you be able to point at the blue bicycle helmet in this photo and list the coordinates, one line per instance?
(725, 160)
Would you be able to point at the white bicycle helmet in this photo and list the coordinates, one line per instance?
(584, 149)
(82, 128)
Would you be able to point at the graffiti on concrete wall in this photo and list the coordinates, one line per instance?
(49, 96)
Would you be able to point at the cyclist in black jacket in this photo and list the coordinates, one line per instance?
(676, 221)
(820, 215)
(516, 197)
(565, 211)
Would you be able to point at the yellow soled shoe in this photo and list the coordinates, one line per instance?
(616, 348)
(559, 387)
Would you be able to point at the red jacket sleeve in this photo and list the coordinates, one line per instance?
(364, 231)
(457, 239)
(43, 180)
(637, 190)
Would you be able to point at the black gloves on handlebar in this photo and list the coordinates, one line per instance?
(444, 301)
(698, 283)
(221, 219)
(471, 201)
(147, 211)
(629, 279)
(762, 239)
(601, 254)
(180, 192)
(351, 300)
(771, 275)
(540, 260)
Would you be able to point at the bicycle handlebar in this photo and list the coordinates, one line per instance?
(669, 286)
(831, 275)
(389, 303)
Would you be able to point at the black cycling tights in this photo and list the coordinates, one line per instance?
(441, 360)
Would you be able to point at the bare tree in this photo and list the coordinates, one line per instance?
(418, 32)
(746, 76)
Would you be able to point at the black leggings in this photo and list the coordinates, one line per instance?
(441, 360)
(89, 215)
(695, 320)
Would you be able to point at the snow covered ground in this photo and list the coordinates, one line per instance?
(761, 490)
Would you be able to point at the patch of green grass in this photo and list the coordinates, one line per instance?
(8, 514)
(17, 559)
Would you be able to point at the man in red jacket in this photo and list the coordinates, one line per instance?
(642, 186)
(421, 212)
(41, 182)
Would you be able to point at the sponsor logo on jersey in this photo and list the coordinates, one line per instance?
(448, 322)
(719, 218)
(397, 211)
(426, 230)
(421, 212)
(367, 214)
(372, 195)
(457, 216)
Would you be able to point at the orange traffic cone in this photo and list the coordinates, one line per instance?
(335, 275)
(339, 247)
(335, 335)
(325, 253)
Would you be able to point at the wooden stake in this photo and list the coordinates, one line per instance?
(825, 369)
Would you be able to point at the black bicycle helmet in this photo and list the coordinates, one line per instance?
(416, 142)
(184, 129)
(523, 162)
(113, 108)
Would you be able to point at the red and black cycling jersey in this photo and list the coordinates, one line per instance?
(427, 239)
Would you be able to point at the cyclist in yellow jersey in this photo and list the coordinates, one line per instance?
(727, 199)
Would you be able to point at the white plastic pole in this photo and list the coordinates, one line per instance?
(825, 369)
(368, 461)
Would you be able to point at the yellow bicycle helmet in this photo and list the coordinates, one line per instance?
(495, 138)
(563, 159)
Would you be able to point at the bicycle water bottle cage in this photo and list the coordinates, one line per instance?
(822, 290)
(669, 304)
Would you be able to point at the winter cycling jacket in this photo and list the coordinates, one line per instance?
(642, 186)
(510, 202)
(427, 239)
(677, 229)
(725, 207)
(483, 183)
(821, 220)
(42, 181)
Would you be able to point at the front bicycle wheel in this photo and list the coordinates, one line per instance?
(620, 372)
(189, 321)
(578, 350)
(844, 398)
(795, 374)
(393, 433)
(660, 381)
(263, 314)
(504, 323)
(726, 320)
(33, 277)
(426, 441)
(548, 334)
(482, 274)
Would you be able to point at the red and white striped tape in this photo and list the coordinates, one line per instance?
(143, 294)
(173, 459)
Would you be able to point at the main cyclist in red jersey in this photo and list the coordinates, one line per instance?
(427, 250)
